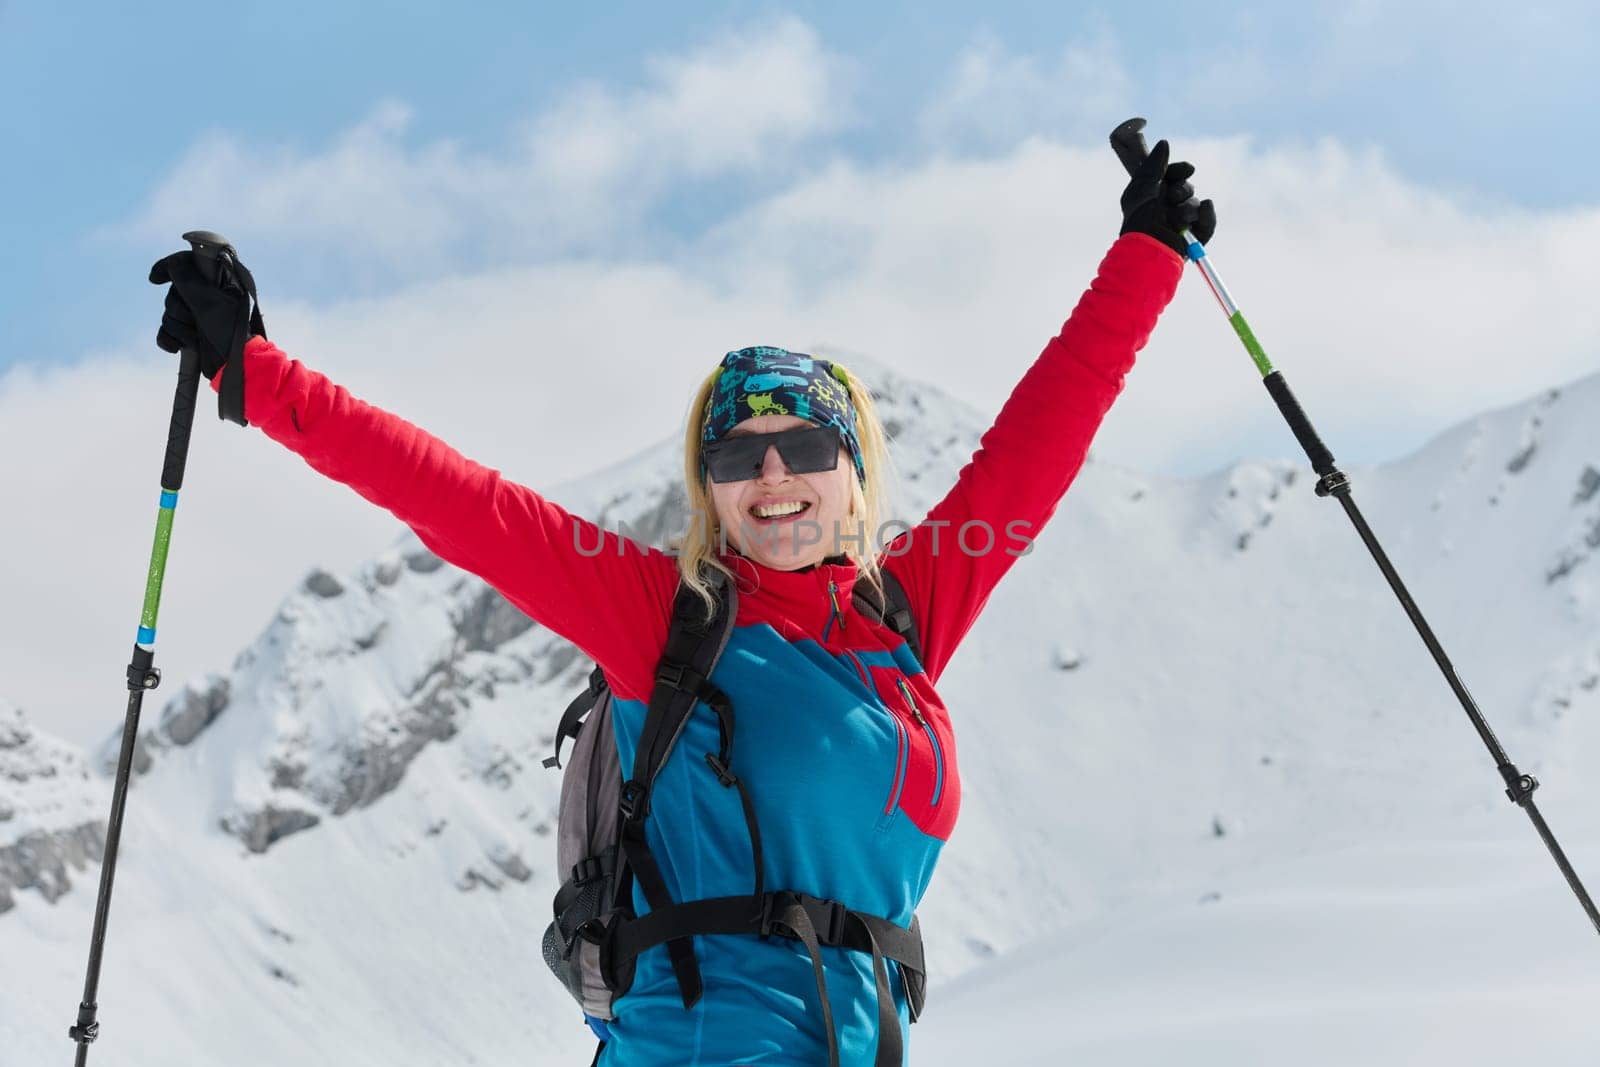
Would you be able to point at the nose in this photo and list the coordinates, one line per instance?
(773, 469)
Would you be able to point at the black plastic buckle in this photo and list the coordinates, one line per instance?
(671, 675)
(769, 904)
(721, 769)
(831, 931)
(635, 800)
(593, 931)
(587, 870)
(838, 917)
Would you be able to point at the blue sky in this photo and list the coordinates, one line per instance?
(531, 230)
(103, 99)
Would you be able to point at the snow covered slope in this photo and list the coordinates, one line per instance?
(52, 816)
(1216, 798)
(1428, 951)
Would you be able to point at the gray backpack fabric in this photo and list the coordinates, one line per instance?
(586, 849)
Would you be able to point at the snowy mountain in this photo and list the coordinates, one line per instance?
(52, 815)
(1210, 778)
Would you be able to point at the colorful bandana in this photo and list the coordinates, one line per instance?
(775, 381)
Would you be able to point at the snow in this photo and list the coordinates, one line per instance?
(1437, 951)
(41, 780)
(1219, 807)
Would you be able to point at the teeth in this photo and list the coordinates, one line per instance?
(772, 511)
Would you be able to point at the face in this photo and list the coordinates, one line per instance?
(786, 542)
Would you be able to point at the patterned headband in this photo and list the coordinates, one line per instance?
(775, 381)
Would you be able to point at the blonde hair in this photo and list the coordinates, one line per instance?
(697, 549)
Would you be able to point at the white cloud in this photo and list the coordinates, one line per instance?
(995, 98)
(1394, 308)
(576, 175)
(743, 101)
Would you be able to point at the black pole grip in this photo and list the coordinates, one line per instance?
(183, 402)
(1127, 141)
(209, 248)
(216, 258)
(1317, 452)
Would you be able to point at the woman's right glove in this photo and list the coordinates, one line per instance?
(1159, 201)
(214, 318)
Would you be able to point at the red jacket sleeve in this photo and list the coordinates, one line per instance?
(608, 595)
(1026, 460)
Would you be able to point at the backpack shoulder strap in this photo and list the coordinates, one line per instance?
(683, 676)
(683, 679)
(894, 612)
(686, 630)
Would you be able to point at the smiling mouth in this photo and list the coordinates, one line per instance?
(765, 515)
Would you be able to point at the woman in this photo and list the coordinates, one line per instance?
(843, 740)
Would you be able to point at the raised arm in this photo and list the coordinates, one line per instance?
(607, 594)
(1028, 458)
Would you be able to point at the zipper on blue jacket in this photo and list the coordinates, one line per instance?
(902, 762)
(861, 668)
(933, 739)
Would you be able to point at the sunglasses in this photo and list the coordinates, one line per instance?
(806, 450)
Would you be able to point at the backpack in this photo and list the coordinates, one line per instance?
(594, 937)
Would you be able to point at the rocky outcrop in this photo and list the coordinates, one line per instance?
(259, 828)
(352, 711)
(183, 718)
(46, 861)
(51, 812)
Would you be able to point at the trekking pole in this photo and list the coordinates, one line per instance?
(1127, 141)
(142, 675)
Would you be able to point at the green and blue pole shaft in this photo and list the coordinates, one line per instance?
(142, 674)
(1127, 140)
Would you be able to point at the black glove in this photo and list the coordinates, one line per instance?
(215, 319)
(202, 314)
(1159, 201)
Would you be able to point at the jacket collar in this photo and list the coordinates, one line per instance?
(803, 595)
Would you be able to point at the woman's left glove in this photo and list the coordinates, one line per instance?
(213, 318)
(1159, 201)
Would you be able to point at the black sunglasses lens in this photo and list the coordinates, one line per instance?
(805, 451)
(809, 451)
(735, 459)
